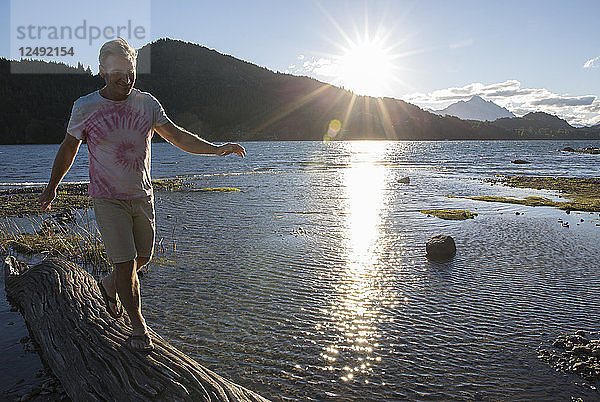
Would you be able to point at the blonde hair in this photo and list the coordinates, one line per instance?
(117, 47)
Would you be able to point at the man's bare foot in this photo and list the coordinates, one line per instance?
(140, 342)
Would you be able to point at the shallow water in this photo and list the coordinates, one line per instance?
(312, 282)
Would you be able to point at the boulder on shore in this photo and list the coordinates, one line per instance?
(440, 247)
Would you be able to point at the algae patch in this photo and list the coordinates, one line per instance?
(584, 193)
(450, 214)
(25, 200)
(70, 245)
(169, 185)
(27, 204)
(529, 201)
(163, 261)
(76, 242)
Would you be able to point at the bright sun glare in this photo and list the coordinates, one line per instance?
(366, 67)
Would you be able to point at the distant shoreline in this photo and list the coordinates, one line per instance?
(361, 139)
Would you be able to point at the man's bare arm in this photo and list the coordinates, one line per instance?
(62, 163)
(191, 143)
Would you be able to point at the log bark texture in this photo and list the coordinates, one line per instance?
(85, 347)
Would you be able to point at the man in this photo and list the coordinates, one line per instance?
(117, 122)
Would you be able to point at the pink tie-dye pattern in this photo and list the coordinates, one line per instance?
(118, 138)
(101, 187)
(113, 117)
(128, 156)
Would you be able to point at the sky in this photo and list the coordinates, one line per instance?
(523, 55)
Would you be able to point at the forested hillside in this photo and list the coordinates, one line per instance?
(223, 98)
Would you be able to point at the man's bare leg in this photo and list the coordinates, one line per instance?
(110, 284)
(128, 288)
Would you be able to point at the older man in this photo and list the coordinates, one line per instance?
(117, 122)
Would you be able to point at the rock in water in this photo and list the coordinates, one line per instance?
(404, 180)
(441, 247)
(520, 162)
(575, 354)
(588, 150)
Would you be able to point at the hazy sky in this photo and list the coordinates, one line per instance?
(525, 55)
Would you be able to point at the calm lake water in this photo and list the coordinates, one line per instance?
(311, 282)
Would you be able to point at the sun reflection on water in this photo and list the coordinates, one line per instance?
(355, 312)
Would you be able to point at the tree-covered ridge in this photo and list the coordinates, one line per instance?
(35, 108)
(223, 98)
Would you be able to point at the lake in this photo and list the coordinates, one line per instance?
(312, 282)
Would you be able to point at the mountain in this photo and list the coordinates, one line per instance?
(534, 120)
(541, 125)
(475, 108)
(222, 98)
(35, 108)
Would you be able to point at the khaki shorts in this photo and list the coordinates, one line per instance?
(127, 227)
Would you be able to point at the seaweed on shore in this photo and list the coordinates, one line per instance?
(80, 243)
(450, 214)
(169, 185)
(28, 204)
(48, 243)
(24, 201)
(584, 193)
(572, 187)
(56, 231)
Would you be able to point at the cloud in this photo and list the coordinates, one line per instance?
(594, 107)
(462, 43)
(579, 101)
(580, 110)
(506, 85)
(322, 66)
(592, 63)
(510, 92)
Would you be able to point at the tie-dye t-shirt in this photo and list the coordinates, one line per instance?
(118, 135)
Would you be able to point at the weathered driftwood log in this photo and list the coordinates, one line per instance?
(85, 347)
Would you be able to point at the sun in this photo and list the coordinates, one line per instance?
(366, 67)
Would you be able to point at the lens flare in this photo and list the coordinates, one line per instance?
(333, 130)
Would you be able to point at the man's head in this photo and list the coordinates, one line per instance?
(117, 67)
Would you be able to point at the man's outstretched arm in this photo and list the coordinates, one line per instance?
(191, 143)
(62, 163)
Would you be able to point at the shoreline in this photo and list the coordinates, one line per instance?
(21, 202)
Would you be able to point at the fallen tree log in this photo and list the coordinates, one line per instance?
(86, 348)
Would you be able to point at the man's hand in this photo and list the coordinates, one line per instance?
(62, 162)
(48, 195)
(230, 148)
